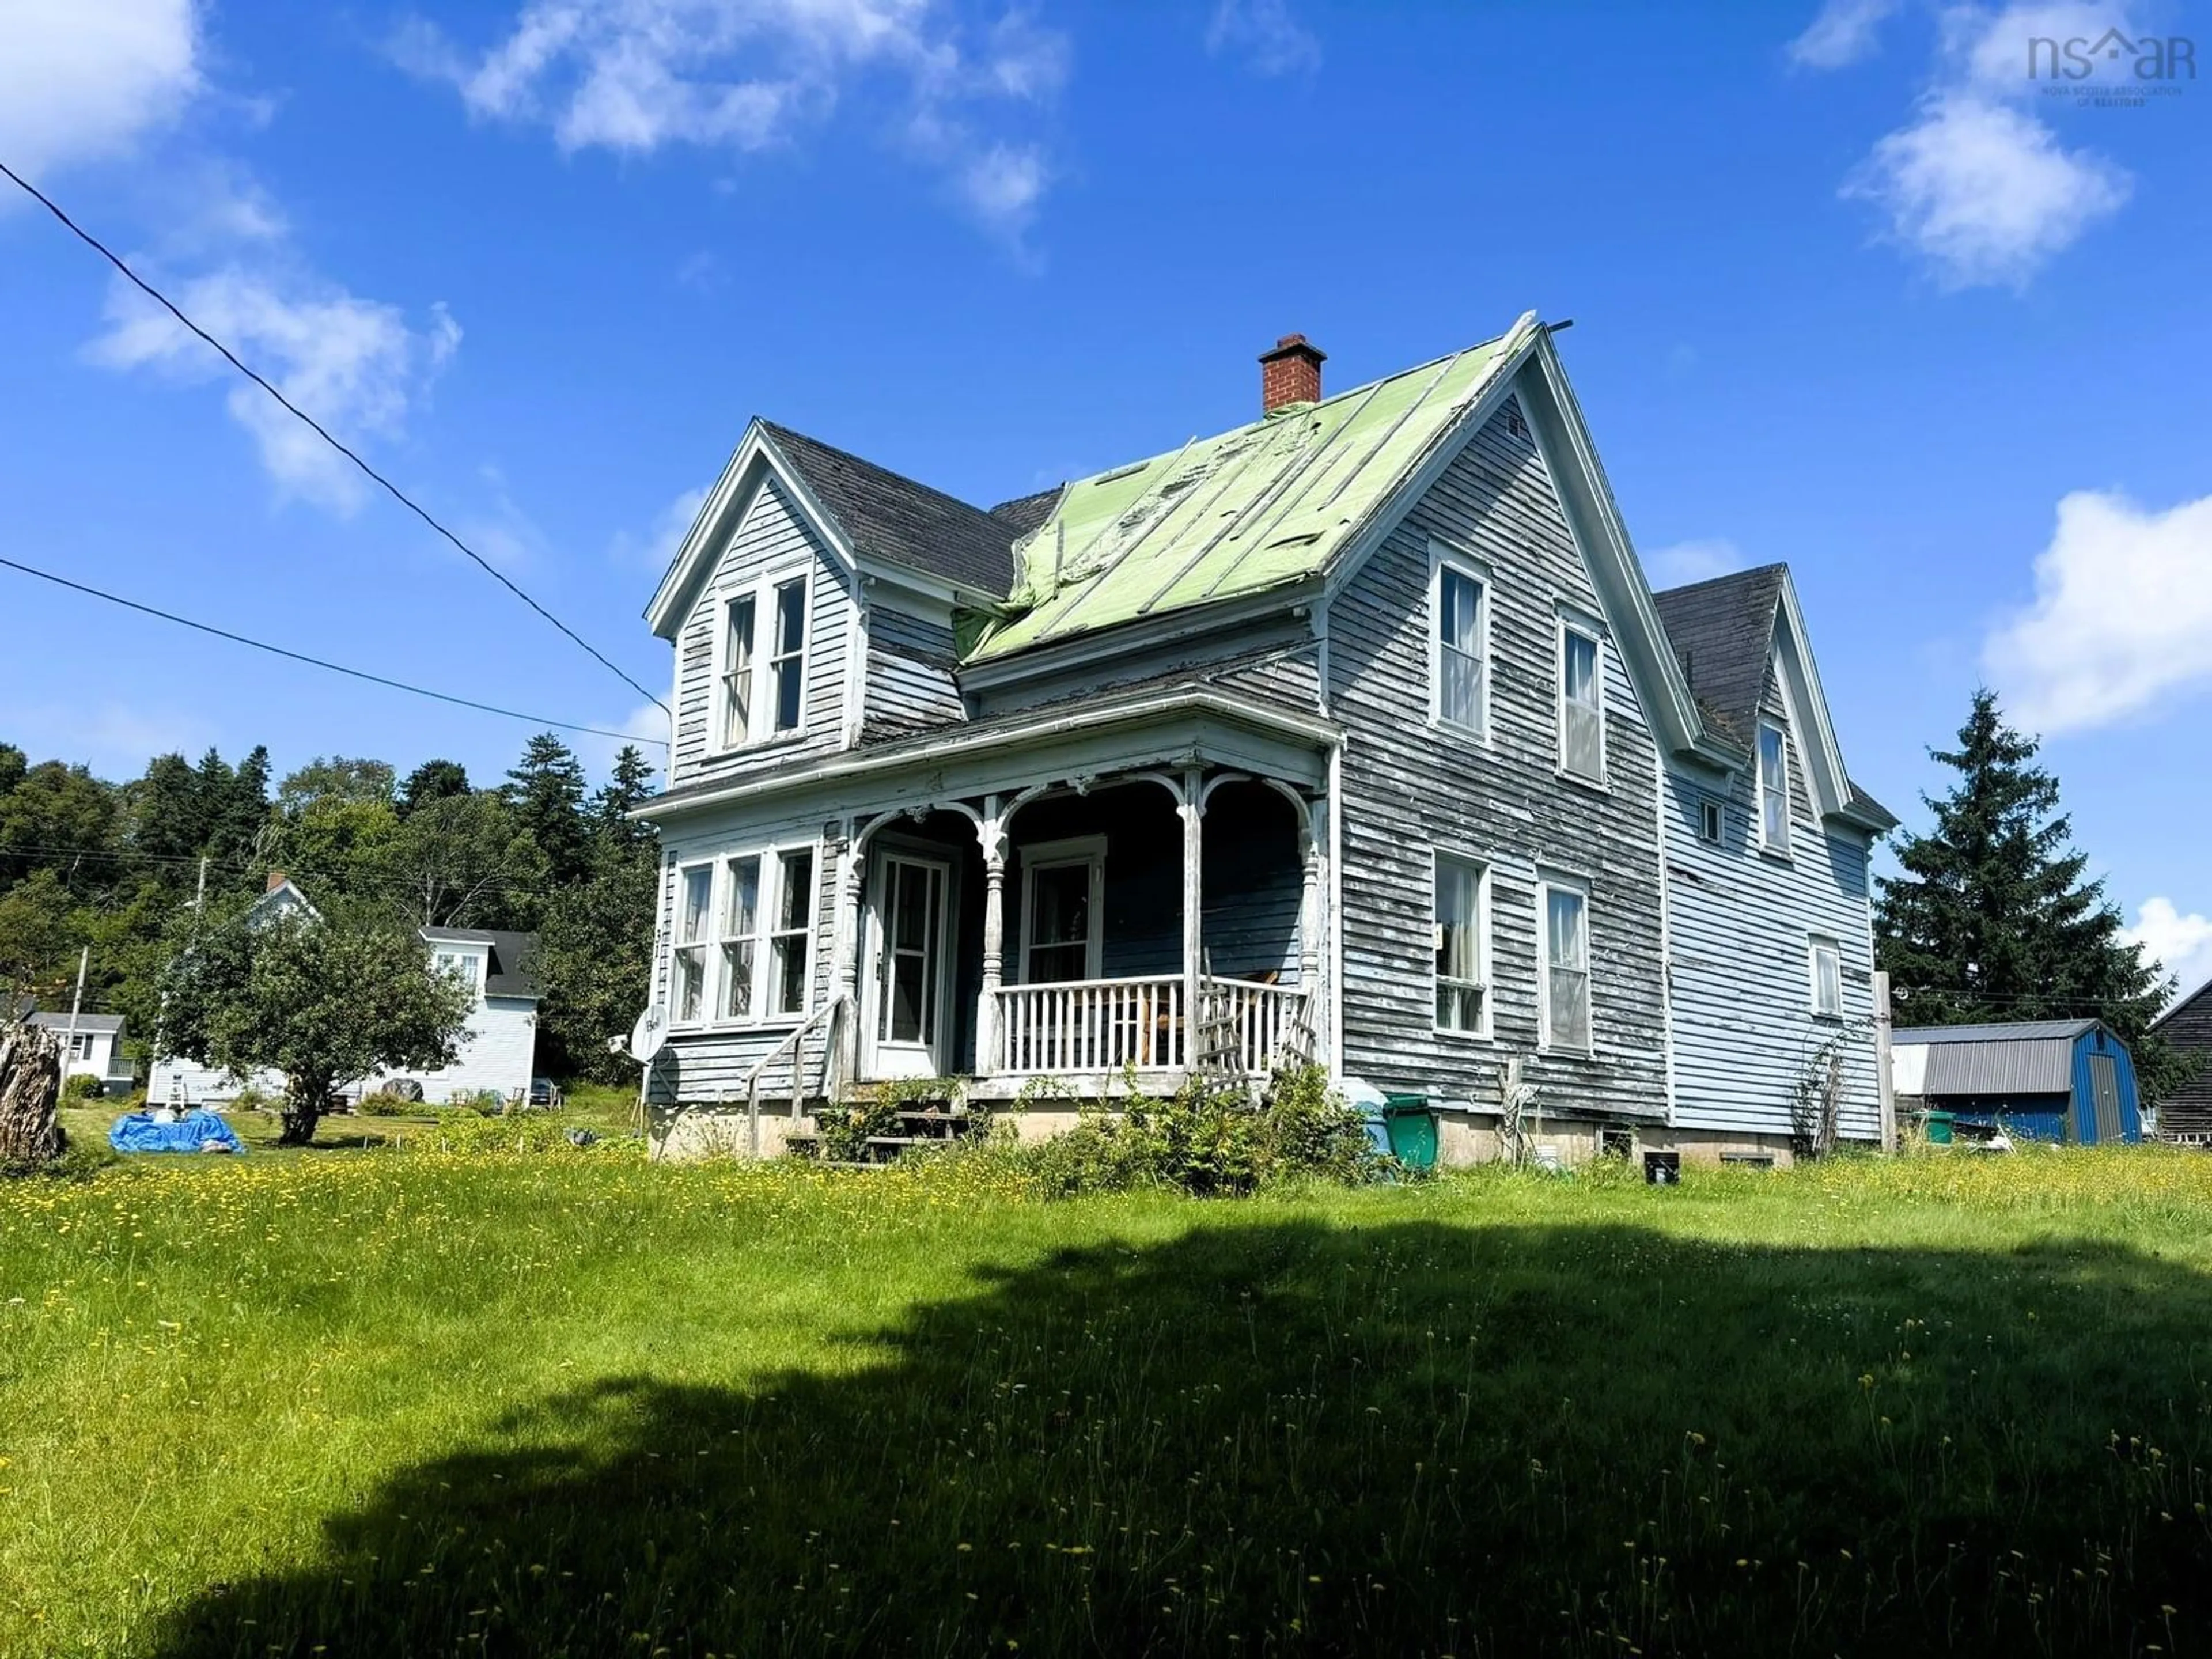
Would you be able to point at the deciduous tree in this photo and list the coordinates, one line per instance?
(322, 1001)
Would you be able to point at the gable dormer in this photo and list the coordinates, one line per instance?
(811, 606)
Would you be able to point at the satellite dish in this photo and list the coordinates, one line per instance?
(647, 1036)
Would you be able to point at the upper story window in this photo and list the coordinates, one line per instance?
(761, 685)
(1459, 665)
(1773, 787)
(460, 963)
(1582, 704)
(1565, 997)
(1826, 964)
(1709, 822)
(1462, 950)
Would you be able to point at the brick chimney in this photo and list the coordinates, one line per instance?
(277, 878)
(1291, 373)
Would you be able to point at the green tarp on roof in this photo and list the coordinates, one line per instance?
(1266, 504)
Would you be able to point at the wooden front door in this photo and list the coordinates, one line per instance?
(908, 1026)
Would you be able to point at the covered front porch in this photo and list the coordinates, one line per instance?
(1074, 931)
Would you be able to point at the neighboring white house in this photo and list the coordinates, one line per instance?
(498, 1051)
(95, 1050)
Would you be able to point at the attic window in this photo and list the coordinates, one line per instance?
(1709, 822)
(1773, 788)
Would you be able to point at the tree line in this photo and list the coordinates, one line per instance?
(136, 870)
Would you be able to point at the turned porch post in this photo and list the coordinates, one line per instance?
(1312, 920)
(1193, 809)
(852, 893)
(990, 829)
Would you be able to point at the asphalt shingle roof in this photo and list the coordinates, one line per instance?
(512, 970)
(1722, 632)
(894, 518)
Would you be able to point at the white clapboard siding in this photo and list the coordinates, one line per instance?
(909, 684)
(1741, 921)
(771, 537)
(1412, 790)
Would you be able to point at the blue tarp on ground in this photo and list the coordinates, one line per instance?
(196, 1131)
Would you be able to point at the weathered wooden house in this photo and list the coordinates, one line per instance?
(2185, 1116)
(1354, 733)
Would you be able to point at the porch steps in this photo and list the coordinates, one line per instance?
(922, 1123)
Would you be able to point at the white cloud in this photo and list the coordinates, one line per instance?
(2181, 945)
(655, 549)
(1985, 193)
(1976, 183)
(1843, 34)
(1696, 561)
(646, 726)
(112, 738)
(84, 79)
(1264, 33)
(2121, 616)
(637, 76)
(356, 365)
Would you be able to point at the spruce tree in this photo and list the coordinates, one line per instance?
(1992, 920)
(546, 790)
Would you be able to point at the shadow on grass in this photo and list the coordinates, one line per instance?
(1272, 1436)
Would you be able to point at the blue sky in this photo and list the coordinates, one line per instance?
(1849, 290)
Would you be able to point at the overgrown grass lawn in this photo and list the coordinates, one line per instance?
(565, 1403)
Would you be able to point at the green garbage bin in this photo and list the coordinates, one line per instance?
(1412, 1128)
(1938, 1127)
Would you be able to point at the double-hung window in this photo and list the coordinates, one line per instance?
(740, 932)
(1459, 660)
(1063, 904)
(1581, 705)
(794, 931)
(745, 928)
(1460, 967)
(695, 898)
(760, 689)
(1827, 971)
(787, 663)
(1773, 787)
(739, 617)
(1564, 919)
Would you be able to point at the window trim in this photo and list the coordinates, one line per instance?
(710, 942)
(1768, 841)
(1484, 963)
(1547, 883)
(1570, 625)
(1037, 855)
(1444, 557)
(725, 885)
(1815, 944)
(704, 944)
(760, 727)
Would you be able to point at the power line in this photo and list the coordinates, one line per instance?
(318, 662)
(315, 426)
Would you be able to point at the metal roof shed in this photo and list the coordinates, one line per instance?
(2055, 1079)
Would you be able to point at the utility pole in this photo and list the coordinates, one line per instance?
(77, 1005)
(1881, 1078)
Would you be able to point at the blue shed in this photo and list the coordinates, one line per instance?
(2066, 1080)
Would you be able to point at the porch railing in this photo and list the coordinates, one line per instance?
(1249, 1024)
(1091, 1025)
(1107, 1024)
